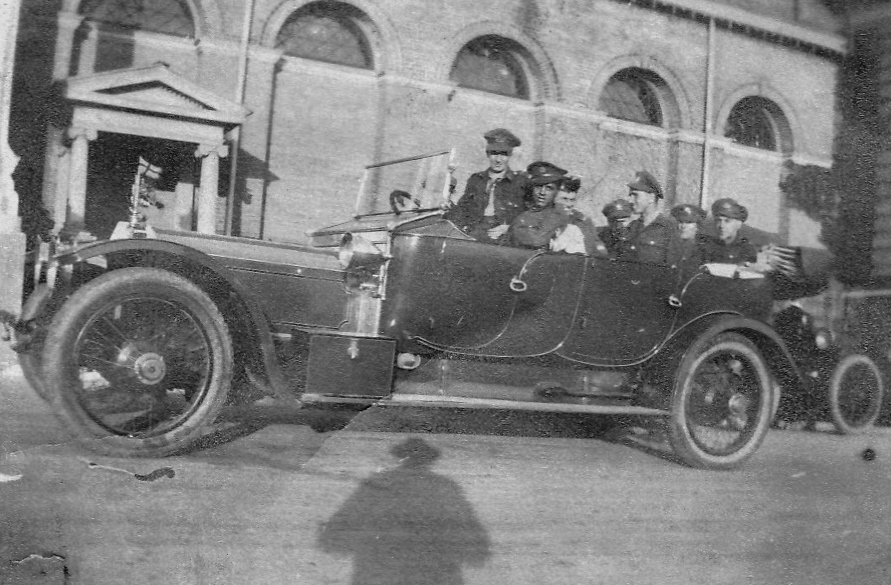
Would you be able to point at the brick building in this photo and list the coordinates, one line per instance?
(712, 97)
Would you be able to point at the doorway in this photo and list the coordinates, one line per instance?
(171, 173)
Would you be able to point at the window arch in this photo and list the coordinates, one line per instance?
(332, 32)
(171, 17)
(494, 64)
(757, 122)
(636, 95)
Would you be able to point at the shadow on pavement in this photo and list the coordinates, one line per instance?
(252, 421)
(407, 525)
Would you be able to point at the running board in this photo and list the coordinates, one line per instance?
(494, 403)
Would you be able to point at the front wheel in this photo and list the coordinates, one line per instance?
(139, 362)
(855, 394)
(721, 403)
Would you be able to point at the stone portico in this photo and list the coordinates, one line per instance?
(150, 102)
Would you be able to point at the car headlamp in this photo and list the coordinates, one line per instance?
(357, 252)
(822, 339)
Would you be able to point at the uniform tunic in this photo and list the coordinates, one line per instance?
(652, 240)
(738, 251)
(617, 240)
(535, 228)
(469, 214)
(686, 255)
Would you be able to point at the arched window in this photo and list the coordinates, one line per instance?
(494, 64)
(635, 95)
(170, 17)
(757, 122)
(332, 32)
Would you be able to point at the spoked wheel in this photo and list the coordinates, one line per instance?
(855, 394)
(721, 403)
(139, 359)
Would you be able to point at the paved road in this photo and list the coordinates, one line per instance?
(447, 497)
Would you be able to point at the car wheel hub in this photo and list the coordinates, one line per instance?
(150, 368)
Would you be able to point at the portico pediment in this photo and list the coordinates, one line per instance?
(155, 90)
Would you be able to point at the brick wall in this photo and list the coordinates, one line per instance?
(343, 121)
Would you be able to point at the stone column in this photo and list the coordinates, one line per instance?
(12, 240)
(209, 189)
(55, 173)
(77, 181)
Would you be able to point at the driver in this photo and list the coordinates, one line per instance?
(492, 198)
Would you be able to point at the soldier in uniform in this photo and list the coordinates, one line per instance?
(536, 227)
(652, 230)
(616, 235)
(685, 249)
(729, 246)
(492, 198)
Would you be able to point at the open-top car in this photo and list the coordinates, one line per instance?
(138, 342)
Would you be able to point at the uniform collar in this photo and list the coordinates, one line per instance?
(509, 174)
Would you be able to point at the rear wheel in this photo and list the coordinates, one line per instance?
(721, 404)
(139, 361)
(855, 394)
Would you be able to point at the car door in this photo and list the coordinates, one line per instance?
(625, 312)
(480, 299)
(449, 292)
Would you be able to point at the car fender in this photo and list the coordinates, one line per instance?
(779, 360)
(203, 270)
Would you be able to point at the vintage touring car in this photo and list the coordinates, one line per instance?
(138, 342)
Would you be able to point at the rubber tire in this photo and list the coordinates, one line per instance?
(31, 361)
(842, 425)
(679, 434)
(73, 316)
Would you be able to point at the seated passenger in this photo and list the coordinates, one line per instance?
(686, 248)
(729, 246)
(580, 236)
(492, 198)
(616, 235)
(536, 227)
(652, 230)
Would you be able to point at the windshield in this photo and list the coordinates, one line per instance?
(421, 182)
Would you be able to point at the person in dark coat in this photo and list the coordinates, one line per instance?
(616, 234)
(492, 198)
(729, 246)
(567, 196)
(685, 250)
(652, 230)
(536, 227)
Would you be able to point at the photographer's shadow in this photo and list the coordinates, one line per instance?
(407, 525)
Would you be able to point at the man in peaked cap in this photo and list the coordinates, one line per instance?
(652, 230)
(729, 246)
(492, 198)
(535, 227)
(685, 249)
(616, 235)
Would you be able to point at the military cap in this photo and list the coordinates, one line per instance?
(644, 181)
(618, 209)
(687, 213)
(542, 173)
(728, 207)
(500, 139)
